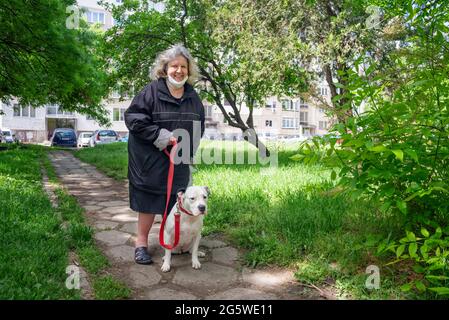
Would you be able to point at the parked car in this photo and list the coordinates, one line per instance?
(124, 138)
(6, 136)
(103, 137)
(65, 137)
(83, 139)
(292, 139)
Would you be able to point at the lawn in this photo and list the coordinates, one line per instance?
(33, 248)
(288, 215)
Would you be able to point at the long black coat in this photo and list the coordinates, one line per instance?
(152, 109)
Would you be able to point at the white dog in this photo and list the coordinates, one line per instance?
(194, 201)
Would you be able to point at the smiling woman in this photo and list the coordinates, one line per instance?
(155, 119)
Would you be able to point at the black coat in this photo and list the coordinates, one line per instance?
(152, 109)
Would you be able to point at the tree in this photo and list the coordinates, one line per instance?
(397, 152)
(228, 70)
(325, 37)
(42, 61)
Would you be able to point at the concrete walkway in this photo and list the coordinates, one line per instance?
(221, 275)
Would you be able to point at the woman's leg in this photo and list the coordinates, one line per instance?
(144, 224)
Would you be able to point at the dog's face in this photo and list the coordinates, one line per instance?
(195, 199)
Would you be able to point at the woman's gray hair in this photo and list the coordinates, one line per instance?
(160, 65)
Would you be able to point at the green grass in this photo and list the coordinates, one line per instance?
(289, 215)
(108, 288)
(33, 248)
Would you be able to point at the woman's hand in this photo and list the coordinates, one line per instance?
(172, 141)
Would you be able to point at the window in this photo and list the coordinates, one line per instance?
(89, 117)
(289, 123)
(287, 104)
(25, 111)
(268, 123)
(322, 125)
(20, 111)
(321, 110)
(323, 91)
(53, 109)
(16, 109)
(115, 94)
(270, 105)
(208, 112)
(303, 117)
(95, 17)
(303, 104)
(118, 114)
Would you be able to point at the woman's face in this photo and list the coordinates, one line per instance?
(178, 68)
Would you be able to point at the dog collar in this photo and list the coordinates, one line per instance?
(181, 208)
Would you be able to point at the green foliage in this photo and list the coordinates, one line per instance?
(430, 253)
(45, 62)
(397, 150)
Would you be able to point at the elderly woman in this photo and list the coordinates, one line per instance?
(168, 103)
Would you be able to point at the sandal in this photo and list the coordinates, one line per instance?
(141, 256)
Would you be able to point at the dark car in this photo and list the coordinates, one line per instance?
(64, 137)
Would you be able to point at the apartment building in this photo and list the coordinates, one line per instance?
(280, 116)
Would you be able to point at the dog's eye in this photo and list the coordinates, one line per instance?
(205, 197)
(192, 198)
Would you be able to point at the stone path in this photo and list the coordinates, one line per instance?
(221, 275)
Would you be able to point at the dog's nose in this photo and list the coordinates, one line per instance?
(202, 207)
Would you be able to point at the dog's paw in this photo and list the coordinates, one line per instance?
(196, 264)
(165, 267)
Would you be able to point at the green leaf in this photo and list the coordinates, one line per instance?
(412, 248)
(400, 250)
(379, 148)
(424, 249)
(411, 236)
(406, 287)
(297, 157)
(424, 232)
(333, 175)
(399, 154)
(412, 154)
(381, 247)
(420, 286)
(402, 206)
(385, 206)
(440, 290)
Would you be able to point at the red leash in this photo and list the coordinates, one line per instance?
(171, 171)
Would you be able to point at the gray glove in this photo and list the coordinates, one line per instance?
(163, 139)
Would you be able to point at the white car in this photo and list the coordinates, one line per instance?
(83, 139)
(103, 137)
(6, 136)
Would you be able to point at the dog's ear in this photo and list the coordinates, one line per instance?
(207, 190)
(181, 191)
